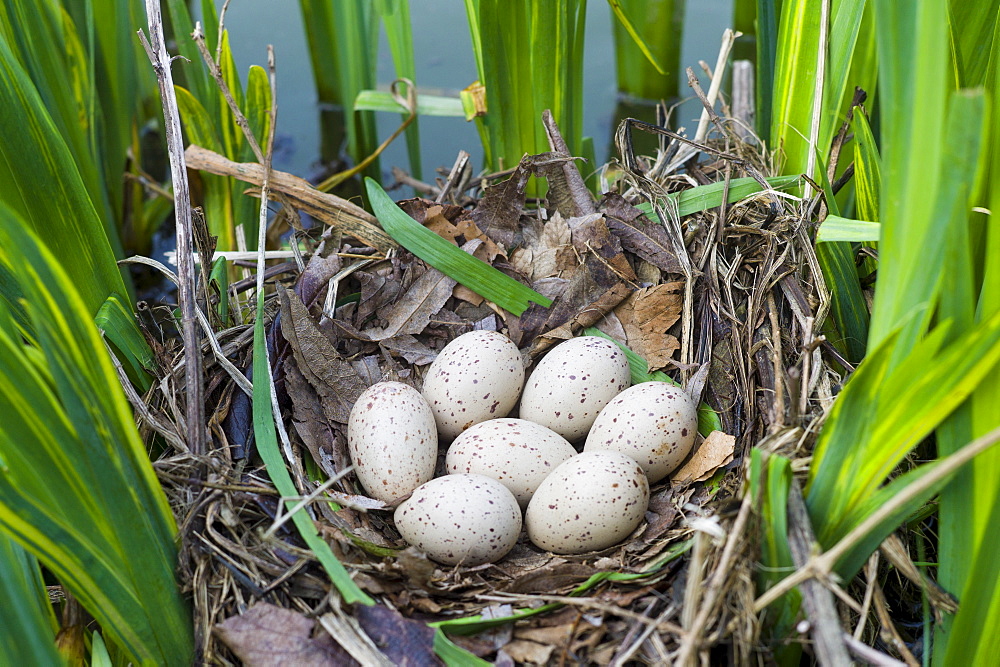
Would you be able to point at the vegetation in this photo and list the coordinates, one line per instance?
(829, 290)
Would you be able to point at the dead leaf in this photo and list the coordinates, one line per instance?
(646, 316)
(407, 643)
(327, 447)
(269, 635)
(411, 349)
(715, 452)
(663, 512)
(528, 652)
(498, 213)
(638, 236)
(414, 309)
(331, 376)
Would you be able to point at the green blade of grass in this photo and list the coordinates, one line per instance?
(267, 446)
(836, 228)
(708, 419)
(659, 25)
(704, 197)
(475, 274)
(974, 37)
(119, 326)
(427, 105)
(867, 170)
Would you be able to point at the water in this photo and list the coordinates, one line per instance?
(445, 64)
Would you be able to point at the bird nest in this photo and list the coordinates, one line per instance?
(723, 295)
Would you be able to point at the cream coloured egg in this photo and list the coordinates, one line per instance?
(572, 383)
(517, 453)
(392, 440)
(467, 519)
(477, 376)
(592, 501)
(655, 423)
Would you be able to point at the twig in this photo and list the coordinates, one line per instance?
(870, 655)
(823, 564)
(156, 50)
(817, 601)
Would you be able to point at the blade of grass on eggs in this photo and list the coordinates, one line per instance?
(475, 274)
(708, 419)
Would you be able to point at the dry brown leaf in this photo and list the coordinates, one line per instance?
(331, 376)
(269, 635)
(414, 309)
(639, 236)
(716, 451)
(528, 652)
(411, 349)
(407, 643)
(646, 316)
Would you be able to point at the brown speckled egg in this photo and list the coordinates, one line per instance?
(392, 440)
(572, 383)
(467, 519)
(517, 453)
(592, 501)
(477, 376)
(654, 423)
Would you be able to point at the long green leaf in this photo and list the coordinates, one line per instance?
(29, 627)
(974, 44)
(704, 197)
(76, 486)
(427, 105)
(622, 14)
(40, 180)
(396, 19)
(475, 274)
(119, 326)
(884, 411)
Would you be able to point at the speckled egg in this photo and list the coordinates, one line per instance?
(572, 383)
(517, 453)
(654, 423)
(467, 519)
(392, 440)
(477, 376)
(592, 501)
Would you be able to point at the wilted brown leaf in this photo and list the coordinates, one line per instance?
(327, 447)
(407, 643)
(646, 316)
(414, 309)
(408, 347)
(527, 652)
(546, 250)
(332, 377)
(269, 635)
(639, 236)
(715, 452)
(498, 213)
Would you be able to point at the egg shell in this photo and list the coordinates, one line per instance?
(517, 453)
(654, 422)
(592, 501)
(467, 519)
(572, 383)
(392, 440)
(477, 376)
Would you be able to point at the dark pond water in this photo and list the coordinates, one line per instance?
(445, 64)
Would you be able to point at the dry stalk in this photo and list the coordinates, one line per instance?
(156, 50)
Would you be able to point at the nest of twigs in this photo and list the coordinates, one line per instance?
(728, 300)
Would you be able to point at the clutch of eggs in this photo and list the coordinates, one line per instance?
(498, 467)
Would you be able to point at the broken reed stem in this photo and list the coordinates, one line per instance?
(156, 50)
(821, 566)
(817, 601)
